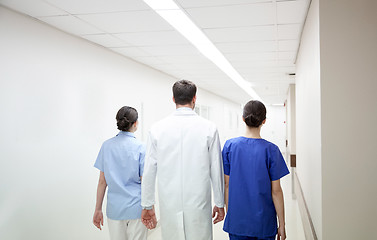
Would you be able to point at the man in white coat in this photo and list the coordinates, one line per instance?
(184, 152)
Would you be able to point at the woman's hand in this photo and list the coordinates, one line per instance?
(281, 233)
(98, 219)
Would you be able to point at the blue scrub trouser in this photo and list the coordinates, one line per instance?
(236, 237)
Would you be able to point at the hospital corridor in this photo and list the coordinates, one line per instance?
(112, 111)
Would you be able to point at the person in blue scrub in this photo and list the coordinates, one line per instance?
(121, 164)
(253, 195)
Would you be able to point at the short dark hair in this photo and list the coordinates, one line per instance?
(125, 117)
(254, 113)
(183, 92)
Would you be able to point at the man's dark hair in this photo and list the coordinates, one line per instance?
(183, 92)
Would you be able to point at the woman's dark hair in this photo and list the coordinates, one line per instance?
(126, 116)
(254, 113)
(183, 92)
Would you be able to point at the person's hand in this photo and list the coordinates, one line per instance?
(98, 219)
(281, 233)
(148, 218)
(218, 214)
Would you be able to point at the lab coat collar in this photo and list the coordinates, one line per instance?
(124, 133)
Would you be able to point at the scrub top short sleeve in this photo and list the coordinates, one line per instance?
(100, 159)
(277, 167)
(226, 163)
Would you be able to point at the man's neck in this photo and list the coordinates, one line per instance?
(184, 106)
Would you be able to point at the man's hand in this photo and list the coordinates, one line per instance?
(281, 233)
(98, 219)
(148, 218)
(219, 216)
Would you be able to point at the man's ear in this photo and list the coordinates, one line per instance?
(173, 99)
(194, 99)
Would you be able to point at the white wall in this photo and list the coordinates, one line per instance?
(274, 130)
(348, 36)
(308, 117)
(58, 100)
(291, 119)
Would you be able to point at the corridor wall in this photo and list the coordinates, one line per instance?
(348, 49)
(58, 98)
(336, 116)
(308, 117)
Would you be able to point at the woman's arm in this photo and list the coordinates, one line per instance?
(278, 199)
(226, 194)
(101, 188)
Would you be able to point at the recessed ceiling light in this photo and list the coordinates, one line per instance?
(174, 15)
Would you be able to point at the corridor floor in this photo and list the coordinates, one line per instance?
(294, 226)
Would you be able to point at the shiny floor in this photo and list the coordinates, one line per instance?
(294, 226)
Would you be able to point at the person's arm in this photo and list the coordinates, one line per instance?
(226, 192)
(217, 178)
(148, 183)
(278, 199)
(101, 188)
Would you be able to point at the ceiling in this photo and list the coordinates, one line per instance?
(260, 38)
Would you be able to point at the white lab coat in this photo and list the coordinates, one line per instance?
(184, 152)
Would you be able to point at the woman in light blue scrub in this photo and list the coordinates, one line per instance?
(253, 195)
(121, 164)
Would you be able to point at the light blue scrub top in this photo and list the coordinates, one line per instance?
(252, 164)
(121, 158)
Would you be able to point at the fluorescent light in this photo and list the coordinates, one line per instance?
(172, 13)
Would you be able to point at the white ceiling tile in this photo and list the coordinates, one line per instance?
(153, 38)
(287, 56)
(291, 11)
(173, 50)
(131, 51)
(289, 31)
(233, 15)
(34, 8)
(196, 58)
(106, 40)
(119, 22)
(258, 33)
(99, 6)
(247, 47)
(211, 3)
(152, 61)
(288, 45)
(197, 66)
(71, 24)
(258, 56)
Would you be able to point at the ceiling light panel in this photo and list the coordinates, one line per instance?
(246, 15)
(98, 6)
(71, 24)
(120, 22)
(35, 8)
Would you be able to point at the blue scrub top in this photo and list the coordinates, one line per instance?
(252, 164)
(121, 158)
